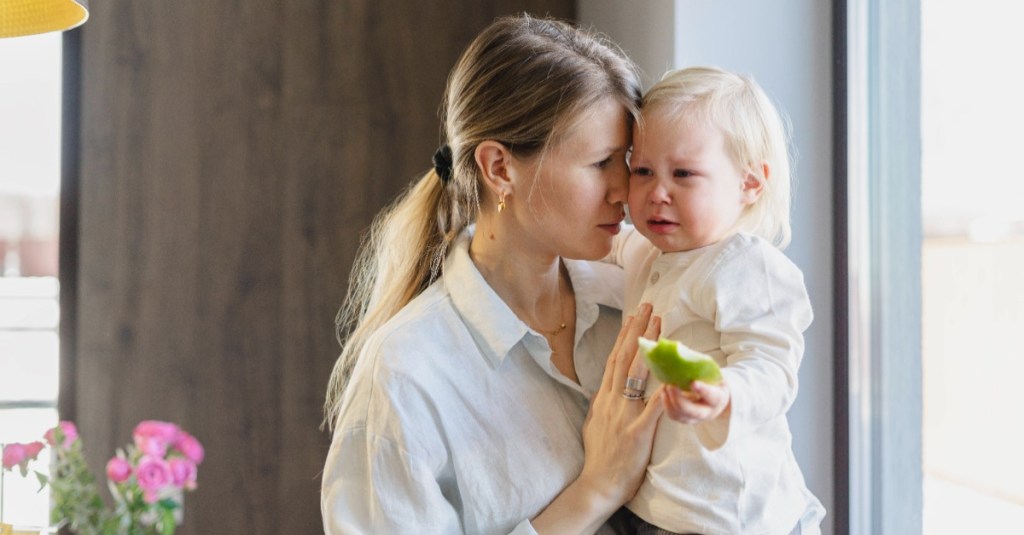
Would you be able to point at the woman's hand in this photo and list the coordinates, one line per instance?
(619, 432)
(617, 439)
(702, 403)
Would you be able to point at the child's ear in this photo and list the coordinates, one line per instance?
(494, 161)
(754, 181)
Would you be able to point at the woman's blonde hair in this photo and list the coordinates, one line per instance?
(755, 132)
(523, 81)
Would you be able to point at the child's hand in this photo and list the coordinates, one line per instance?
(702, 403)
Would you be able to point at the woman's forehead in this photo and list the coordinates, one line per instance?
(603, 127)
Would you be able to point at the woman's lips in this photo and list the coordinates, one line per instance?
(615, 226)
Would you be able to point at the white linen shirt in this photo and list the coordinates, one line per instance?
(456, 420)
(742, 302)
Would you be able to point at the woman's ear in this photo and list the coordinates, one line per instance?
(754, 182)
(494, 161)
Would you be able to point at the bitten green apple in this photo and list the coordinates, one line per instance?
(674, 363)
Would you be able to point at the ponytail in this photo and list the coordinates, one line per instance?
(398, 259)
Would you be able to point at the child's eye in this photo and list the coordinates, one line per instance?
(641, 171)
(682, 173)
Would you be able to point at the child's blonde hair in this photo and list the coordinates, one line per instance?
(755, 133)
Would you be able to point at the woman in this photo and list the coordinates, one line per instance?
(477, 335)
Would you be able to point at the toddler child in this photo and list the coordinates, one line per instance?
(709, 189)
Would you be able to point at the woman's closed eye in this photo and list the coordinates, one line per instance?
(604, 163)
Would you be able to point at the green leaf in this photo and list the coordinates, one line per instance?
(167, 522)
(43, 480)
(168, 503)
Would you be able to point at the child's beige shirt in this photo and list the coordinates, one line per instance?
(743, 302)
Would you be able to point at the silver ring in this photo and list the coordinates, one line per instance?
(633, 395)
(636, 383)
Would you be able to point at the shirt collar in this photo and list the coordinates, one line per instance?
(594, 284)
(493, 325)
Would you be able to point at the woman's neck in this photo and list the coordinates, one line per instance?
(529, 282)
(535, 286)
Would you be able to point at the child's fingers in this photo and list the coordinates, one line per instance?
(711, 395)
(690, 407)
(676, 405)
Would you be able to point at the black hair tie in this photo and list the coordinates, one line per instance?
(443, 163)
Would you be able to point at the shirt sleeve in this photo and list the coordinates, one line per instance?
(371, 485)
(761, 309)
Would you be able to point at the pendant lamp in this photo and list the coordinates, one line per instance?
(27, 17)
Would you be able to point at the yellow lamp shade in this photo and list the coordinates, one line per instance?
(27, 17)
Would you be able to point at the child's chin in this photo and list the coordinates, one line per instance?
(665, 244)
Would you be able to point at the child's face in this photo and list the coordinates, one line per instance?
(685, 191)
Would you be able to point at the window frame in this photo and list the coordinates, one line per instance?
(67, 260)
(878, 267)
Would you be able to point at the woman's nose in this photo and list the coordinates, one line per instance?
(618, 185)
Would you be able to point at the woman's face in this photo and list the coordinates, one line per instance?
(570, 201)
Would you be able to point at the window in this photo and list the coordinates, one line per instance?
(935, 239)
(30, 105)
(879, 242)
(972, 261)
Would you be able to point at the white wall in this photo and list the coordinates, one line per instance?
(786, 46)
(644, 29)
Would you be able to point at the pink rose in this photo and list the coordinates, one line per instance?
(67, 430)
(190, 448)
(32, 449)
(14, 455)
(183, 473)
(20, 454)
(118, 470)
(153, 437)
(152, 475)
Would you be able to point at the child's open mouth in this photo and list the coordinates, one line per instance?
(661, 226)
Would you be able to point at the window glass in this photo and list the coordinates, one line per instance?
(30, 107)
(972, 261)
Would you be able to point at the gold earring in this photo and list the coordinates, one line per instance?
(501, 202)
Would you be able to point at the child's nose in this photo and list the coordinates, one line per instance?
(659, 194)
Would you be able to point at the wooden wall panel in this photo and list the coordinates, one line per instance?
(231, 153)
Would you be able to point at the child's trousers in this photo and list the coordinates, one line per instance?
(624, 522)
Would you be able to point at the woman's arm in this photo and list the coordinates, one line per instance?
(617, 439)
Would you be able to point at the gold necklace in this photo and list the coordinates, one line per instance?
(561, 313)
(561, 316)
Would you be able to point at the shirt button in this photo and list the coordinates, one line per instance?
(654, 277)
